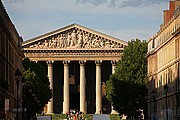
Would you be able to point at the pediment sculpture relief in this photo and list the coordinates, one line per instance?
(74, 39)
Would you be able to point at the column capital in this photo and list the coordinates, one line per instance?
(98, 62)
(50, 63)
(35, 61)
(82, 62)
(114, 62)
(66, 62)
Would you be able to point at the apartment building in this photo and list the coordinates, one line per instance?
(164, 67)
(10, 60)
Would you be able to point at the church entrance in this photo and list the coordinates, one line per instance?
(74, 85)
(75, 101)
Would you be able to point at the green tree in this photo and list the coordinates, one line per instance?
(127, 87)
(37, 92)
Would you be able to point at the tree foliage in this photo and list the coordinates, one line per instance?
(37, 92)
(127, 87)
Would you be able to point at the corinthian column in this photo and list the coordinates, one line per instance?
(113, 71)
(98, 88)
(82, 87)
(113, 66)
(50, 75)
(66, 87)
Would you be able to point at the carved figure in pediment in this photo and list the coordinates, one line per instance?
(58, 41)
(112, 45)
(64, 41)
(102, 43)
(55, 42)
(38, 45)
(86, 36)
(95, 42)
(85, 39)
(61, 42)
(52, 43)
(68, 39)
(98, 42)
(79, 40)
(89, 42)
(31, 46)
(74, 38)
(46, 44)
(107, 44)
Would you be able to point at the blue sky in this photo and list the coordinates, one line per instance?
(123, 19)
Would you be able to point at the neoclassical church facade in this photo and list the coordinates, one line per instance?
(79, 61)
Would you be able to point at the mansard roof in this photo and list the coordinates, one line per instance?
(73, 36)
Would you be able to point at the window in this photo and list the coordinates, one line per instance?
(2, 41)
(153, 43)
(169, 76)
(160, 81)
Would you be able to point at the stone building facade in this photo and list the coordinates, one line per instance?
(10, 59)
(164, 67)
(79, 60)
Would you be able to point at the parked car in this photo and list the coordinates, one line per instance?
(101, 117)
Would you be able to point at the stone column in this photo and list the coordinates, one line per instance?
(98, 88)
(66, 87)
(82, 87)
(113, 66)
(113, 71)
(50, 75)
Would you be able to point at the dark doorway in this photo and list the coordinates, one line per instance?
(74, 100)
(74, 74)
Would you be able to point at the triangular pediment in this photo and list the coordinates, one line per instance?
(74, 37)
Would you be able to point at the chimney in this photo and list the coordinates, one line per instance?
(168, 14)
(171, 9)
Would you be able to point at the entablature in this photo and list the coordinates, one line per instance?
(74, 54)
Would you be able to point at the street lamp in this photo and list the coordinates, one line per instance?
(18, 76)
(166, 91)
(23, 97)
(154, 95)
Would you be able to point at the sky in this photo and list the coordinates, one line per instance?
(122, 19)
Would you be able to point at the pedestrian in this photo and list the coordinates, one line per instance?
(75, 117)
(67, 115)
